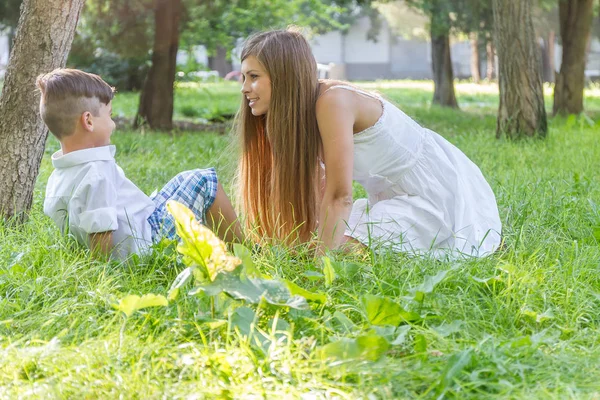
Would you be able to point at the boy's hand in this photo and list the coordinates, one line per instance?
(101, 243)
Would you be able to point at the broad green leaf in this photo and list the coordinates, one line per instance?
(181, 280)
(244, 254)
(421, 345)
(346, 270)
(428, 285)
(401, 333)
(523, 341)
(345, 322)
(252, 290)
(313, 275)
(370, 347)
(199, 245)
(384, 311)
(297, 290)
(394, 335)
(328, 271)
(446, 329)
(538, 317)
(243, 318)
(455, 365)
(129, 304)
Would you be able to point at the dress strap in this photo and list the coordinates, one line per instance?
(353, 89)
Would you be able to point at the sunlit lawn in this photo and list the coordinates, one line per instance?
(523, 323)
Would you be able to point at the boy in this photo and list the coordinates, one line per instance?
(88, 194)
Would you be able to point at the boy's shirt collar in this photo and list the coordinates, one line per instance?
(104, 153)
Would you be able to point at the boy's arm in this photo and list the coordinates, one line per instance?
(101, 243)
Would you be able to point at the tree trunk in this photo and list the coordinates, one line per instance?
(490, 60)
(575, 23)
(475, 74)
(42, 43)
(443, 76)
(521, 110)
(219, 62)
(156, 99)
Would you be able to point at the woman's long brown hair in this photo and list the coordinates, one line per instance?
(278, 171)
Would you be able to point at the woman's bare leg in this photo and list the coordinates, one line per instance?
(222, 219)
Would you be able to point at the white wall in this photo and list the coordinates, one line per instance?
(359, 50)
(3, 53)
(328, 48)
(354, 48)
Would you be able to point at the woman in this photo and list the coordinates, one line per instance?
(304, 141)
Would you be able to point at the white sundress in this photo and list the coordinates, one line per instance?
(424, 195)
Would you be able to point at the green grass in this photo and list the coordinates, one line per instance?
(523, 323)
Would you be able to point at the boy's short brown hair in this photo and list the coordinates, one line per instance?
(68, 93)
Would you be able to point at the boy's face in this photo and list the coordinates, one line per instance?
(103, 125)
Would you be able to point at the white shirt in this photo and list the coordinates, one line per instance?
(89, 193)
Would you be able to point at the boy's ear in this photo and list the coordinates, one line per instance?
(86, 121)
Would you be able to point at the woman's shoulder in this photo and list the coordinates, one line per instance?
(328, 97)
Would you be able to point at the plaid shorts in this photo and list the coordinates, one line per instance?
(196, 189)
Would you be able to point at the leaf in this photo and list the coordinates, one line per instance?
(428, 285)
(370, 347)
(384, 311)
(401, 332)
(345, 270)
(243, 319)
(446, 329)
(421, 345)
(252, 290)
(456, 364)
(344, 321)
(487, 281)
(129, 304)
(539, 318)
(328, 271)
(199, 245)
(181, 280)
(313, 275)
(245, 255)
(297, 290)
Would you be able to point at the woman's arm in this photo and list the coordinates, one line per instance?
(335, 117)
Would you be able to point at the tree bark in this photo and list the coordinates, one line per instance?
(521, 110)
(475, 74)
(42, 43)
(575, 23)
(441, 63)
(157, 97)
(219, 62)
(490, 60)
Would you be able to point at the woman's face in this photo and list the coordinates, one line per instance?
(256, 86)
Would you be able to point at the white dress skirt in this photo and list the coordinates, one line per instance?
(425, 197)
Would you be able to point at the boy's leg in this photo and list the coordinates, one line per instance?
(222, 219)
(200, 191)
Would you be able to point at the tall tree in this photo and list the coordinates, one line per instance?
(521, 110)
(42, 43)
(575, 25)
(157, 98)
(441, 62)
(440, 24)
